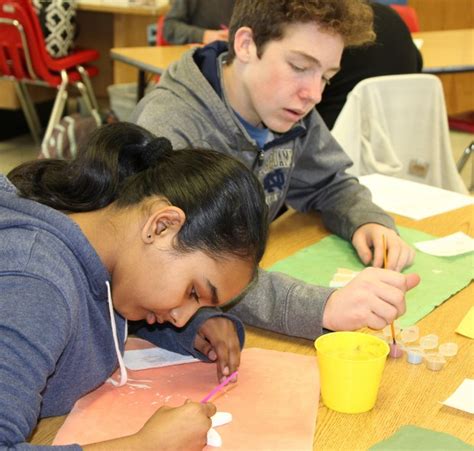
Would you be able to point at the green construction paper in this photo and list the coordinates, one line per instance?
(415, 438)
(441, 277)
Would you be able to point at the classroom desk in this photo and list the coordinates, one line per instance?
(157, 9)
(447, 51)
(148, 59)
(450, 55)
(104, 25)
(408, 394)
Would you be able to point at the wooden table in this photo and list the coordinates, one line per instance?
(148, 59)
(447, 51)
(450, 55)
(118, 7)
(105, 25)
(408, 394)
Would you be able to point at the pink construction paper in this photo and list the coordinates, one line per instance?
(274, 404)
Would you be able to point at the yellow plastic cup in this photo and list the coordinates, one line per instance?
(350, 366)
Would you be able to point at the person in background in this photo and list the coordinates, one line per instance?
(393, 52)
(130, 230)
(254, 99)
(197, 21)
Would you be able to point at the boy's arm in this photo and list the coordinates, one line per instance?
(319, 182)
(176, 26)
(282, 304)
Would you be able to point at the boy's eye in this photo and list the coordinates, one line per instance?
(297, 68)
(326, 81)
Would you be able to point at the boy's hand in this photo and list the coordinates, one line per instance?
(370, 236)
(374, 298)
(217, 339)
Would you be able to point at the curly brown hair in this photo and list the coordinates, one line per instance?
(351, 19)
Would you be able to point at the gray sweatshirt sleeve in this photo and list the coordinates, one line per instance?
(319, 183)
(282, 304)
(177, 28)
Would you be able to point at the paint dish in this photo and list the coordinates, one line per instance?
(434, 361)
(448, 349)
(395, 351)
(429, 341)
(414, 355)
(410, 334)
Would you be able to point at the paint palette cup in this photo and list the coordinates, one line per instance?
(410, 334)
(350, 366)
(448, 349)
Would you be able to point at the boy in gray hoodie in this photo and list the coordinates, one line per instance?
(254, 99)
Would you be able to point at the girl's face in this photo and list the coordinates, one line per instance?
(158, 284)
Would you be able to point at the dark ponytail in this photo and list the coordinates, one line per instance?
(124, 163)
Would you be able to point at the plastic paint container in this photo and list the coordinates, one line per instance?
(351, 366)
(434, 362)
(410, 334)
(414, 355)
(448, 349)
(429, 341)
(395, 351)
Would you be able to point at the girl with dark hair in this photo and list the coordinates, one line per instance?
(130, 230)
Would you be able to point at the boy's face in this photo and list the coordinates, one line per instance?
(285, 84)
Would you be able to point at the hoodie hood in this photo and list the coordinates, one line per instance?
(30, 216)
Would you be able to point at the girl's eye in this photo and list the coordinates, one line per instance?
(194, 295)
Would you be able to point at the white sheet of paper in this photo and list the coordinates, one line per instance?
(455, 244)
(418, 42)
(463, 397)
(142, 359)
(342, 277)
(411, 199)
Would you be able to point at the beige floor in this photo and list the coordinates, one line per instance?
(18, 150)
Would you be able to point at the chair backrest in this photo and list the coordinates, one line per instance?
(160, 37)
(397, 125)
(22, 53)
(409, 16)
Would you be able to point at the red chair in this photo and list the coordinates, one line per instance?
(160, 37)
(24, 60)
(409, 16)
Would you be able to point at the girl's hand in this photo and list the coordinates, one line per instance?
(170, 428)
(218, 340)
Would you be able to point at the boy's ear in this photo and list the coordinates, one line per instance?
(244, 45)
(162, 223)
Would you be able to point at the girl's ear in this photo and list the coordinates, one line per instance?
(164, 222)
(244, 45)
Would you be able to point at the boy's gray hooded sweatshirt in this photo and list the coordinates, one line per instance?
(56, 340)
(304, 167)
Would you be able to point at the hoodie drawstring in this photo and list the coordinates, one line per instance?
(123, 369)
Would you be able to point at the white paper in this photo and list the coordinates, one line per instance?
(342, 277)
(418, 43)
(411, 199)
(142, 359)
(456, 244)
(463, 397)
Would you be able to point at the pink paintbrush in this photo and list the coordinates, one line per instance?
(219, 387)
